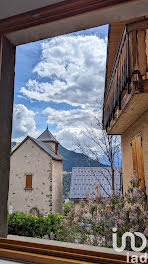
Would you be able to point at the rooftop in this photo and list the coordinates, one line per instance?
(84, 178)
(47, 136)
(46, 148)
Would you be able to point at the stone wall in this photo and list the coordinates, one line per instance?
(57, 186)
(139, 126)
(29, 159)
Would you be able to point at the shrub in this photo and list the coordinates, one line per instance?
(26, 225)
(95, 220)
(68, 207)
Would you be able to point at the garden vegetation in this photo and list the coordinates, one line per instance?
(94, 222)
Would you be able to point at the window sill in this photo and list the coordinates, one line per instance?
(28, 189)
(33, 250)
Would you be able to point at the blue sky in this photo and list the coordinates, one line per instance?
(58, 81)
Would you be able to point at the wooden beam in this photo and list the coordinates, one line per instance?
(62, 10)
(1, 46)
(35, 258)
(6, 109)
(135, 50)
(138, 25)
(39, 253)
(146, 43)
(142, 59)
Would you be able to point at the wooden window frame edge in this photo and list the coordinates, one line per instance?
(28, 189)
(28, 181)
(32, 252)
(54, 12)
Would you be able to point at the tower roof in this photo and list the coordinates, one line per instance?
(46, 136)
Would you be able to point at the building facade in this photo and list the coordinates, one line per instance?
(36, 176)
(125, 109)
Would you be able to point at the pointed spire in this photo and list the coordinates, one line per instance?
(47, 136)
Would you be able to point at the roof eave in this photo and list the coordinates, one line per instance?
(28, 137)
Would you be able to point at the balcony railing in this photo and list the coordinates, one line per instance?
(129, 71)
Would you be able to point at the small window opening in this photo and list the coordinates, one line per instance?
(28, 182)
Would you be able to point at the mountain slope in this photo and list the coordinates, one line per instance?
(74, 159)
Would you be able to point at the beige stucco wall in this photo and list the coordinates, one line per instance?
(30, 159)
(139, 126)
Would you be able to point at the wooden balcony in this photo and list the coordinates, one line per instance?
(126, 94)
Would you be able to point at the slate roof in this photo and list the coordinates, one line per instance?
(45, 147)
(47, 136)
(84, 178)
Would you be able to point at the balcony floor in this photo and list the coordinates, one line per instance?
(135, 106)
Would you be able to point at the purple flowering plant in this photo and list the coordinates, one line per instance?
(92, 224)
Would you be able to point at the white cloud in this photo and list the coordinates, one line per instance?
(71, 70)
(70, 137)
(23, 123)
(72, 126)
(74, 66)
(76, 118)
